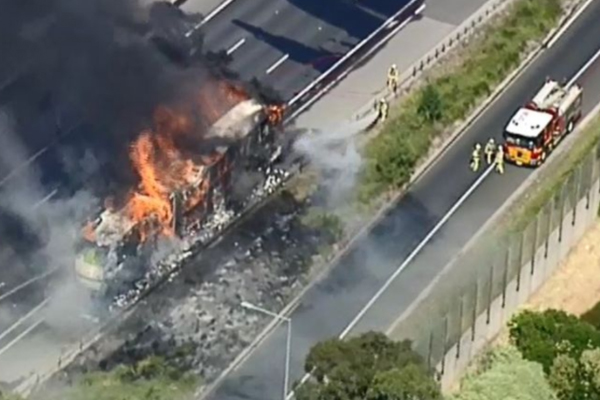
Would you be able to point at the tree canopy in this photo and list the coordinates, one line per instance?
(536, 335)
(576, 378)
(370, 366)
(505, 375)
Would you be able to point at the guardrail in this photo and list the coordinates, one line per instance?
(460, 35)
(350, 58)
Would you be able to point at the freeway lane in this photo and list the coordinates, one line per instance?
(286, 44)
(329, 306)
(439, 19)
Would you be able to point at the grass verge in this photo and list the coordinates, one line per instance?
(393, 154)
(561, 167)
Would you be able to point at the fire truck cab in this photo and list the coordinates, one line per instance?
(535, 130)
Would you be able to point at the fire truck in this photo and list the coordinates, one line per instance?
(537, 128)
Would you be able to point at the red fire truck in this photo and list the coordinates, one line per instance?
(536, 129)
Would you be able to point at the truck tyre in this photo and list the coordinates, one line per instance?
(570, 126)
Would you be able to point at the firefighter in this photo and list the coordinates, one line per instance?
(393, 78)
(490, 150)
(475, 158)
(500, 160)
(275, 114)
(382, 110)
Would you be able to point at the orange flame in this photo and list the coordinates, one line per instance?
(152, 200)
(275, 114)
(163, 169)
(88, 232)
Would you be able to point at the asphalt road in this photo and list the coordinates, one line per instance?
(286, 44)
(330, 305)
(39, 349)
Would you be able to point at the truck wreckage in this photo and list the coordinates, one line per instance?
(186, 181)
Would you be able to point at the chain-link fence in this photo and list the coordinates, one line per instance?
(498, 270)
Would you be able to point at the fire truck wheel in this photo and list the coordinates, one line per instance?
(570, 126)
(543, 157)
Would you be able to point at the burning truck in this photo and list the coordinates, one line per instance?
(186, 171)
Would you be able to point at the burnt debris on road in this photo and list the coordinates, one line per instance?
(196, 320)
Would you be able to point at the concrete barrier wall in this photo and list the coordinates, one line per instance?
(575, 211)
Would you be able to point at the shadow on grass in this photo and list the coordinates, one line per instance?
(592, 316)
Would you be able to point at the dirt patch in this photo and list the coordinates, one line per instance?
(575, 285)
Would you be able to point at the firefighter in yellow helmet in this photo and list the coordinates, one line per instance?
(392, 78)
(382, 108)
(475, 158)
(500, 160)
(489, 151)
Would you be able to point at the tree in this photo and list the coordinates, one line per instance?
(536, 335)
(430, 105)
(576, 379)
(149, 379)
(367, 365)
(504, 374)
(564, 376)
(410, 382)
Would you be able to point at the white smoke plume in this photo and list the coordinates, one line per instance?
(333, 152)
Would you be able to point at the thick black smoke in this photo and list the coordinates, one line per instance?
(78, 80)
(90, 63)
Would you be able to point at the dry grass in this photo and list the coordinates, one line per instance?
(575, 285)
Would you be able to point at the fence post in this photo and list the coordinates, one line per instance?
(519, 258)
(430, 350)
(549, 227)
(505, 276)
(489, 305)
(575, 192)
(444, 344)
(534, 240)
(475, 307)
(561, 213)
(460, 325)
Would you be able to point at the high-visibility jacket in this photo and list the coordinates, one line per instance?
(393, 74)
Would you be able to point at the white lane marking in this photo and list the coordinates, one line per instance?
(583, 69)
(14, 290)
(21, 336)
(210, 16)
(277, 63)
(423, 243)
(31, 159)
(23, 318)
(349, 54)
(39, 153)
(566, 26)
(236, 46)
(417, 250)
(45, 199)
(409, 259)
(376, 47)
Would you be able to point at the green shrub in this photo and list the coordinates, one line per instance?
(150, 379)
(542, 336)
(576, 378)
(370, 366)
(504, 374)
